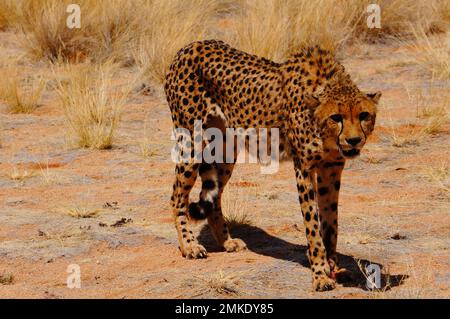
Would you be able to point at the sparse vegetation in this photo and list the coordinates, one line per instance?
(20, 175)
(235, 211)
(21, 94)
(48, 176)
(91, 109)
(83, 212)
(275, 29)
(158, 43)
(432, 54)
(439, 174)
(6, 279)
(413, 137)
(223, 284)
(107, 28)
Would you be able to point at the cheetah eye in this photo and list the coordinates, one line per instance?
(363, 116)
(336, 117)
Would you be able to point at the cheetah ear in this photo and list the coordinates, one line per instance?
(311, 102)
(374, 97)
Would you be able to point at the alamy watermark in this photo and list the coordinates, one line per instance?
(374, 16)
(373, 272)
(74, 277)
(229, 148)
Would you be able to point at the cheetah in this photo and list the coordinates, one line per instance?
(323, 119)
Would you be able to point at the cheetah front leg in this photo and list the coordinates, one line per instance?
(316, 250)
(186, 175)
(328, 186)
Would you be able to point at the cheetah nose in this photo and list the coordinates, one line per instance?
(353, 141)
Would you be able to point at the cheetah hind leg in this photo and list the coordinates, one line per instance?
(222, 173)
(186, 175)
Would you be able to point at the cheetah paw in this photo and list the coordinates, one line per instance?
(234, 245)
(342, 275)
(324, 283)
(194, 251)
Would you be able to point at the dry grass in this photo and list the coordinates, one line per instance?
(47, 35)
(432, 54)
(373, 160)
(91, 109)
(146, 150)
(432, 115)
(117, 30)
(422, 281)
(6, 279)
(158, 43)
(223, 284)
(417, 133)
(439, 174)
(413, 138)
(10, 13)
(107, 27)
(21, 94)
(48, 176)
(277, 28)
(83, 212)
(20, 175)
(235, 206)
(150, 32)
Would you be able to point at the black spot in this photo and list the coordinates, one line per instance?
(337, 185)
(333, 206)
(307, 216)
(323, 190)
(187, 174)
(208, 185)
(207, 207)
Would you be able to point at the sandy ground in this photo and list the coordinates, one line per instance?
(394, 207)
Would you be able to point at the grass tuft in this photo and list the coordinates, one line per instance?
(91, 109)
(21, 94)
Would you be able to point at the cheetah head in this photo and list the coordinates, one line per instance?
(346, 118)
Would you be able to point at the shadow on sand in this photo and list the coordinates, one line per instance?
(262, 243)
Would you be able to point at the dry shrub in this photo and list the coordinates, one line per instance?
(106, 28)
(235, 204)
(398, 15)
(47, 35)
(10, 13)
(7, 279)
(432, 54)
(170, 25)
(91, 109)
(431, 103)
(148, 31)
(260, 28)
(21, 94)
(277, 28)
(223, 284)
(439, 174)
